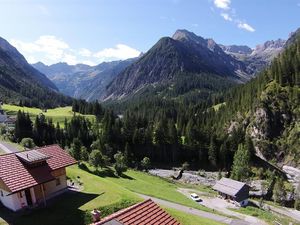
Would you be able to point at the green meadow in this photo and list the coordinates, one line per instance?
(57, 114)
(105, 191)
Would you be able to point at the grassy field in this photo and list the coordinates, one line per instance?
(265, 215)
(156, 187)
(57, 114)
(103, 192)
(189, 219)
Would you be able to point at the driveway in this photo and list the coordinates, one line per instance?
(196, 212)
(223, 206)
(8, 148)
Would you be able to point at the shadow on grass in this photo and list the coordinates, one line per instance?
(61, 210)
(126, 177)
(104, 172)
(252, 204)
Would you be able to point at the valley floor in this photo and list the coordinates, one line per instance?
(103, 190)
(106, 192)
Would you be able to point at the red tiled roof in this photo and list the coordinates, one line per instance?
(16, 176)
(144, 213)
(59, 157)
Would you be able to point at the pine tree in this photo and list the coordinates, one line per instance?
(241, 164)
(212, 151)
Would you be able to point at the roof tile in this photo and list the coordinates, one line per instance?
(17, 176)
(146, 212)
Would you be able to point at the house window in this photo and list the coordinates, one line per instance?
(57, 181)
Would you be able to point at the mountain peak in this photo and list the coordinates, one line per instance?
(183, 34)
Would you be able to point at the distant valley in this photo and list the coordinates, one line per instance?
(83, 81)
(166, 63)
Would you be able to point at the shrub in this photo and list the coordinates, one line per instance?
(145, 163)
(27, 143)
(120, 164)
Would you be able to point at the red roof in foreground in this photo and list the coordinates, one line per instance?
(17, 176)
(144, 213)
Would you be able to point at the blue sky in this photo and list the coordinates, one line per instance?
(92, 31)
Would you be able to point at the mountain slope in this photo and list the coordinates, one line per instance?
(184, 53)
(65, 77)
(93, 90)
(83, 81)
(21, 83)
(268, 108)
(19, 61)
(256, 59)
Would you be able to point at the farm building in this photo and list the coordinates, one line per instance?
(146, 212)
(233, 190)
(29, 178)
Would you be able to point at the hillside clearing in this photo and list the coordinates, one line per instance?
(57, 114)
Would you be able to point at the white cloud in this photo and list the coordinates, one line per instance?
(50, 46)
(226, 16)
(229, 14)
(120, 51)
(50, 49)
(246, 27)
(222, 4)
(85, 52)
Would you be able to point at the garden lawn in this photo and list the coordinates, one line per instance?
(146, 184)
(105, 193)
(57, 114)
(73, 208)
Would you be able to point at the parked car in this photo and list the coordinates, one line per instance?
(196, 197)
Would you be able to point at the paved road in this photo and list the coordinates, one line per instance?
(222, 206)
(8, 148)
(197, 212)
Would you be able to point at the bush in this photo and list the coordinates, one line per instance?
(97, 159)
(27, 143)
(145, 163)
(84, 154)
(120, 165)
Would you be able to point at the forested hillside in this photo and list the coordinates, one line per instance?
(21, 84)
(259, 117)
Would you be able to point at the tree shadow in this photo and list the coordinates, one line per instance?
(104, 172)
(253, 204)
(61, 210)
(126, 177)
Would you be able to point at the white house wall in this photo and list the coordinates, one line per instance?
(13, 202)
